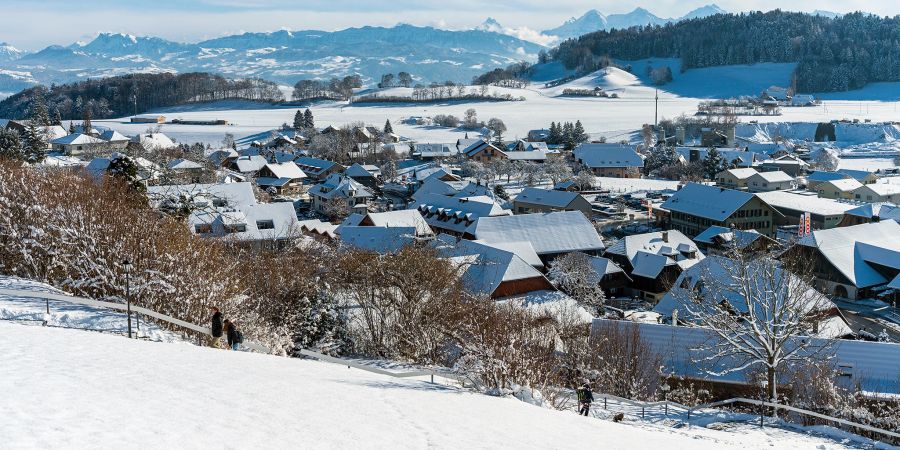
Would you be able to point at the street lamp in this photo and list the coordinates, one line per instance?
(127, 264)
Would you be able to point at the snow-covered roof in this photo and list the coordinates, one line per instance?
(804, 201)
(378, 239)
(183, 164)
(531, 155)
(742, 174)
(401, 218)
(486, 266)
(228, 194)
(851, 249)
(881, 210)
(113, 136)
(262, 221)
(775, 176)
(154, 141)
(883, 189)
(339, 186)
(522, 249)
(435, 150)
(77, 139)
(357, 170)
(740, 238)
(63, 161)
(314, 165)
(552, 198)
(433, 185)
(608, 155)
(287, 170)
(844, 185)
(821, 176)
(548, 233)
(249, 164)
(859, 175)
(644, 250)
(709, 202)
(456, 213)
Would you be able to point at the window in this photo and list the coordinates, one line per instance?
(203, 228)
(265, 224)
(236, 228)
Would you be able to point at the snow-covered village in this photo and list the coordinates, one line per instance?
(402, 225)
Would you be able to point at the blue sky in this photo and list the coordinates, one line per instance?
(32, 25)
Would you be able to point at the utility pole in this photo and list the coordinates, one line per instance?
(656, 110)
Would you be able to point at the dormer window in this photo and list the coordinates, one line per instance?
(265, 224)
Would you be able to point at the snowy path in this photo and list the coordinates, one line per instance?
(69, 388)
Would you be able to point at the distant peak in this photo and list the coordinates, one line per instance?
(490, 21)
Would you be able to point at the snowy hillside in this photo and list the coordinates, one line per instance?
(103, 391)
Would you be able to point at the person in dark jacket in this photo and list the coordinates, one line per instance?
(233, 335)
(585, 398)
(216, 325)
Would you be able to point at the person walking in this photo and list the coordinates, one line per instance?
(233, 335)
(585, 398)
(216, 327)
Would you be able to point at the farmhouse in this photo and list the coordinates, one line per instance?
(534, 200)
(610, 160)
(735, 178)
(456, 216)
(770, 181)
(551, 234)
(79, 144)
(339, 195)
(654, 260)
(879, 192)
(484, 152)
(696, 207)
(281, 178)
(318, 169)
(838, 189)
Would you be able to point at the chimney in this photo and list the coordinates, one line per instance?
(665, 236)
(679, 135)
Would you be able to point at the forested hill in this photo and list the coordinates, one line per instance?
(833, 54)
(136, 93)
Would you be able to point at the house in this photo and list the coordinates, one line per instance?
(280, 178)
(735, 178)
(154, 141)
(527, 146)
(437, 184)
(776, 93)
(722, 241)
(538, 135)
(368, 175)
(825, 213)
(491, 271)
(879, 192)
(803, 100)
(318, 169)
(870, 212)
(249, 165)
(734, 157)
(378, 239)
(567, 185)
(534, 200)
(484, 152)
(789, 164)
(338, 196)
(401, 218)
(863, 176)
(464, 144)
(318, 229)
(770, 181)
(850, 262)
(429, 152)
(610, 160)
(696, 207)
(79, 144)
(694, 286)
(817, 177)
(146, 170)
(613, 280)
(654, 260)
(148, 119)
(551, 234)
(838, 189)
(115, 140)
(456, 216)
(186, 171)
(224, 157)
(534, 156)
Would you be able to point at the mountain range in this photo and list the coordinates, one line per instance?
(594, 20)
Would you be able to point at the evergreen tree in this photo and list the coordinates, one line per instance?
(578, 133)
(308, 120)
(57, 119)
(555, 137)
(39, 114)
(298, 120)
(10, 145)
(125, 169)
(86, 121)
(71, 127)
(712, 164)
(388, 129)
(35, 145)
(568, 136)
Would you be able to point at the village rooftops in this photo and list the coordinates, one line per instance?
(113, 136)
(77, 139)
(250, 164)
(401, 218)
(742, 173)
(378, 239)
(775, 176)
(822, 176)
(846, 184)
(880, 210)
(314, 166)
(804, 201)
(358, 170)
(486, 267)
(549, 233)
(708, 202)
(739, 238)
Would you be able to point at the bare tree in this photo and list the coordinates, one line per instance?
(573, 274)
(585, 180)
(755, 309)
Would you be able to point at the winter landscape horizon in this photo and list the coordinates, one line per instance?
(271, 224)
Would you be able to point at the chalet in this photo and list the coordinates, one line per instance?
(280, 178)
(610, 160)
(401, 218)
(185, 170)
(382, 240)
(814, 179)
(863, 176)
(723, 241)
(484, 152)
(456, 216)
(654, 260)
(452, 188)
(870, 212)
(534, 200)
(339, 195)
(540, 135)
(249, 165)
(838, 189)
(429, 152)
(318, 169)
(490, 270)
(551, 234)
(463, 144)
(770, 181)
(528, 146)
(825, 213)
(696, 207)
(366, 174)
(735, 178)
(789, 164)
(224, 157)
(880, 192)
(850, 262)
(79, 144)
(154, 141)
(612, 279)
(567, 185)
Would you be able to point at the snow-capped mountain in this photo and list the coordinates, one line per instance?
(524, 33)
(594, 20)
(9, 53)
(429, 54)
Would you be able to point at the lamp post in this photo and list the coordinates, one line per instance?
(127, 264)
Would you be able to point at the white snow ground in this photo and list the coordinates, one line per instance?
(74, 389)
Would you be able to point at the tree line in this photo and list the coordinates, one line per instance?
(118, 96)
(333, 89)
(833, 54)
